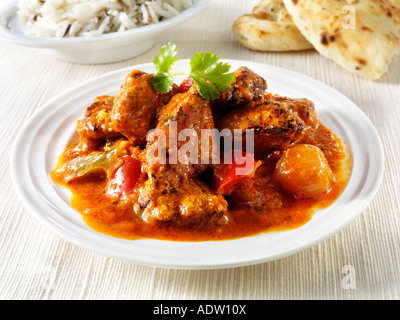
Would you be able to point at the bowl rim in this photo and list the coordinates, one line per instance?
(8, 18)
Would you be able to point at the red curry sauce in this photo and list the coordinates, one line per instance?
(180, 201)
(116, 218)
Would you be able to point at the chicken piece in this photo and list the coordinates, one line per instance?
(183, 118)
(193, 202)
(136, 106)
(172, 191)
(95, 126)
(248, 87)
(275, 126)
(303, 107)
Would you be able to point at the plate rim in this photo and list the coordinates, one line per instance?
(88, 83)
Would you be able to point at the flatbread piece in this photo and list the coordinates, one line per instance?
(362, 36)
(269, 28)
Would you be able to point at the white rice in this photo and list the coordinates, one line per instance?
(73, 18)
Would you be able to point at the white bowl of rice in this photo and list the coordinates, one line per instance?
(93, 31)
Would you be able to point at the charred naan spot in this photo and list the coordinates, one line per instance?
(324, 40)
(263, 33)
(295, 1)
(366, 28)
(361, 61)
(262, 15)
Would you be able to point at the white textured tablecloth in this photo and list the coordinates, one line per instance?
(35, 263)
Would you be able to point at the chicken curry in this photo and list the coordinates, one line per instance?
(134, 175)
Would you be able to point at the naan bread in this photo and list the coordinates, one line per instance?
(269, 28)
(363, 43)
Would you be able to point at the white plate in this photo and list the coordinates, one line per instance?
(45, 135)
(106, 48)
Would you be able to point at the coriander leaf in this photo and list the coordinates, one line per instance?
(206, 89)
(164, 63)
(210, 75)
(219, 76)
(167, 59)
(162, 82)
(202, 62)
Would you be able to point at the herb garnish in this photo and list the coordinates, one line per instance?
(210, 75)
